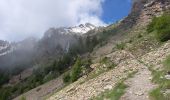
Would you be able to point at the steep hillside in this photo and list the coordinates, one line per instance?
(119, 61)
(137, 55)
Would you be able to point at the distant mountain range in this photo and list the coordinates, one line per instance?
(55, 42)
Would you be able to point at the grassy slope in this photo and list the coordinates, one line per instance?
(164, 84)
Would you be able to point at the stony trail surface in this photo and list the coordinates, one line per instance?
(139, 86)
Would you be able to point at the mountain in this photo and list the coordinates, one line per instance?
(82, 28)
(78, 30)
(123, 60)
(57, 41)
(17, 55)
(54, 43)
(5, 47)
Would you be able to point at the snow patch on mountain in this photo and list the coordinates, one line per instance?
(78, 30)
(5, 48)
(82, 28)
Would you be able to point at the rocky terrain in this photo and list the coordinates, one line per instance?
(139, 86)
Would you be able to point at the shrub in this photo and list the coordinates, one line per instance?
(49, 77)
(130, 41)
(121, 46)
(150, 27)
(23, 98)
(162, 27)
(163, 83)
(167, 64)
(156, 94)
(104, 60)
(76, 71)
(108, 63)
(139, 35)
(66, 78)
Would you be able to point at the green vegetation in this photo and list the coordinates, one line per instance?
(94, 74)
(99, 69)
(76, 71)
(121, 46)
(167, 64)
(5, 92)
(156, 94)
(113, 94)
(161, 26)
(109, 64)
(164, 84)
(66, 77)
(23, 98)
(116, 92)
(80, 68)
(139, 36)
(3, 78)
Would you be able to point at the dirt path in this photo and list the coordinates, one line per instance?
(139, 86)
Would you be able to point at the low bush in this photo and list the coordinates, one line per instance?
(162, 27)
(163, 83)
(66, 78)
(167, 64)
(23, 98)
(121, 46)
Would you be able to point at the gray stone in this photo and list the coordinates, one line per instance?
(167, 77)
(139, 93)
(108, 87)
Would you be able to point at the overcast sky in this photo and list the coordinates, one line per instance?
(23, 18)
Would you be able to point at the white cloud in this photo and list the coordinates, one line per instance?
(23, 18)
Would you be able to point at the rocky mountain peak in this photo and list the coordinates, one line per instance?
(82, 28)
(78, 30)
(5, 47)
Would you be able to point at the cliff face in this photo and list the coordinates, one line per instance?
(153, 8)
(143, 11)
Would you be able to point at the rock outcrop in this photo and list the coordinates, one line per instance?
(143, 11)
